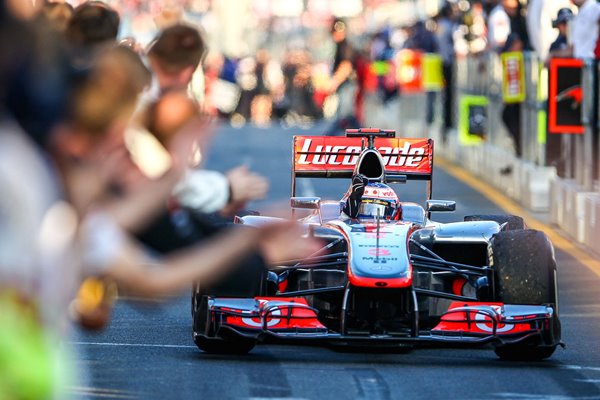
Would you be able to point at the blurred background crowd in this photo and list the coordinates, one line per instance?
(272, 60)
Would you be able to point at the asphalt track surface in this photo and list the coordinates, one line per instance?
(148, 353)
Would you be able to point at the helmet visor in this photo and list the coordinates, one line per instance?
(371, 208)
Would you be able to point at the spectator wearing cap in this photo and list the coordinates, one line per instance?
(540, 14)
(584, 28)
(560, 47)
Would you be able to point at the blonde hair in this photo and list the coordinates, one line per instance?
(109, 93)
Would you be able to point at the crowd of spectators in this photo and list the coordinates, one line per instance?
(296, 86)
(99, 164)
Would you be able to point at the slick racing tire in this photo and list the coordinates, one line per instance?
(222, 346)
(517, 352)
(514, 222)
(525, 268)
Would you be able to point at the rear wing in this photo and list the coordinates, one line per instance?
(336, 157)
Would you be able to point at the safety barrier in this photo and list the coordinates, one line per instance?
(569, 195)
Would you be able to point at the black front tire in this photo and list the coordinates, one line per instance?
(523, 352)
(525, 268)
(222, 346)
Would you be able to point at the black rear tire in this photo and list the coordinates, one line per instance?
(525, 268)
(514, 222)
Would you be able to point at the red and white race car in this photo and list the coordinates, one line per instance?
(397, 279)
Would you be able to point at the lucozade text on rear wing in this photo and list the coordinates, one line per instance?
(336, 157)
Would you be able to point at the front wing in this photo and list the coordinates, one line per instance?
(464, 323)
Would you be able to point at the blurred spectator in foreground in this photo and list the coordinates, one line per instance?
(343, 79)
(31, 284)
(58, 215)
(95, 153)
(57, 14)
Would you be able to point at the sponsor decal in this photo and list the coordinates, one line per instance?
(378, 251)
(488, 326)
(316, 153)
(255, 322)
(281, 317)
(379, 259)
(384, 194)
(478, 322)
(389, 246)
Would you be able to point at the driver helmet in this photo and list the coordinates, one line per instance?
(380, 200)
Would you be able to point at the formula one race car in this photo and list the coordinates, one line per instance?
(389, 276)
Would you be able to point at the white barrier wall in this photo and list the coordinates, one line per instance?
(591, 214)
(574, 210)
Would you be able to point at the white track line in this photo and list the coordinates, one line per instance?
(170, 346)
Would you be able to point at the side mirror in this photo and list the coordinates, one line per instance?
(441, 205)
(309, 203)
